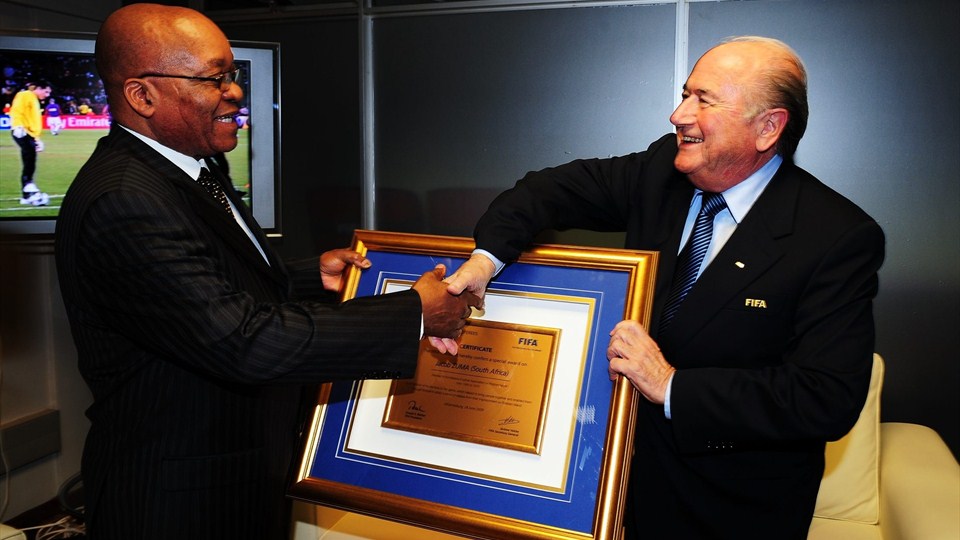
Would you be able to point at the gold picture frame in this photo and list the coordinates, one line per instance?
(574, 485)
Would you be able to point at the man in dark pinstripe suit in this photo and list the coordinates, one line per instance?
(195, 339)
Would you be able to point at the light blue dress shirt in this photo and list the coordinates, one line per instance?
(740, 199)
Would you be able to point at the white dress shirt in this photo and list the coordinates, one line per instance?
(192, 167)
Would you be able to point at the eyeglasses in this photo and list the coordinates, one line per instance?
(223, 80)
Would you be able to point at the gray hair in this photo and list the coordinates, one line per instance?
(782, 84)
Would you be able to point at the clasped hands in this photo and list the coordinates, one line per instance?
(444, 312)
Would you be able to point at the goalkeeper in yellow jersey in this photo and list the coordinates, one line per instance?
(26, 123)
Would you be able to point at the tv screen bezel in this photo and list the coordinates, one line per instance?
(264, 100)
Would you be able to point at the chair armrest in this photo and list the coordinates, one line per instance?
(9, 533)
(919, 484)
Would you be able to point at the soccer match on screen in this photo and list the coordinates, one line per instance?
(39, 160)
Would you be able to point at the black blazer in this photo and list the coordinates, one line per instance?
(773, 345)
(196, 350)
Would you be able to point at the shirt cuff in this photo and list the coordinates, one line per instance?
(496, 262)
(666, 397)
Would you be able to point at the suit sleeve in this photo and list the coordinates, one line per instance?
(306, 282)
(163, 286)
(594, 194)
(816, 390)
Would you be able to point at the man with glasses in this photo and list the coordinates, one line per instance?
(198, 343)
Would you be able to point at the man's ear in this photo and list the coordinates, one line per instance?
(772, 124)
(140, 95)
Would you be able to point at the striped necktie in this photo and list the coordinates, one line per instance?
(691, 257)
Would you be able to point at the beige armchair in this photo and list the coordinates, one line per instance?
(888, 481)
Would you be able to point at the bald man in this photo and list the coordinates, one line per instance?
(748, 373)
(199, 344)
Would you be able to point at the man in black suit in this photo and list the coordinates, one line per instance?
(197, 342)
(769, 354)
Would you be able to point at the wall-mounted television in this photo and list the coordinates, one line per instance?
(66, 61)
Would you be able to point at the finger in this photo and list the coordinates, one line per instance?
(614, 368)
(444, 345)
(472, 299)
(614, 375)
(626, 326)
(627, 334)
(452, 347)
(613, 352)
(620, 344)
(439, 270)
(438, 343)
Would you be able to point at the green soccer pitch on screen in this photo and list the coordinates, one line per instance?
(76, 116)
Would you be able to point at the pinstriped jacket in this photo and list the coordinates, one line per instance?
(197, 352)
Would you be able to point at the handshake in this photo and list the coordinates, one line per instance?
(445, 304)
(468, 285)
(444, 314)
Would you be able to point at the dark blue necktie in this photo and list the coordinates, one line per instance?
(691, 257)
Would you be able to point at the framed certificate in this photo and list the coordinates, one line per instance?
(522, 435)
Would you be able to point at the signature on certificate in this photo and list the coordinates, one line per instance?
(412, 406)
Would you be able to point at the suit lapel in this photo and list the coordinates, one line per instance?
(670, 215)
(752, 249)
(227, 227)
(245, 214)
(205, 207)
(675, 206)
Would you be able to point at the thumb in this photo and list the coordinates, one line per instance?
(439, 270)
(359, 260)
(456, 284)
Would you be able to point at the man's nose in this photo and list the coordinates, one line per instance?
(682, 115)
